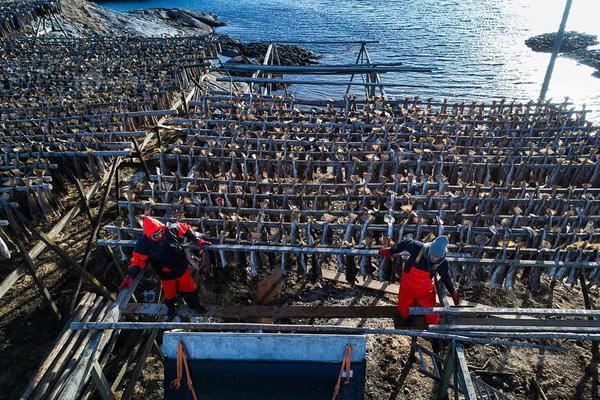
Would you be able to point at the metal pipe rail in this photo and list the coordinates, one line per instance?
(494, 311)
(321, 69)
(28, 167)
(52, 154)
(372, 252)
(352, 106)
(357, 126)
(219, 95)
(258, 138)
(71, 136)
(523, 189)
(398, 115)
(502, 232)
(314, 83)
(416, 132)
(26, 188)
(218, 327)
(390, 161)
(379, 199)
(316, 149)
(543, 219)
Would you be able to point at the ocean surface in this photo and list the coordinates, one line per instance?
(476, 47)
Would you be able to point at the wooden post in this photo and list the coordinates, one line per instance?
(65, 256)
(30, 266)
(101, 382)
(447, 372)
(555, 50)
(95, 228)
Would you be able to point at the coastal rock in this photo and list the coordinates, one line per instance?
(575, 45)
(571, 42)
(83, 18)
(288, 54)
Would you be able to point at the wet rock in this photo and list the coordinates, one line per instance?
(288, 54)
(571, 42)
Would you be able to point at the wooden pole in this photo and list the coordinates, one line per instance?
(556, 49)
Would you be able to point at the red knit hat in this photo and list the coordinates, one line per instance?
(153, 226)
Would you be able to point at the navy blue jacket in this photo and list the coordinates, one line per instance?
(413, 247)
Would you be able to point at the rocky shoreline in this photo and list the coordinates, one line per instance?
(575, 45)
(82, 18)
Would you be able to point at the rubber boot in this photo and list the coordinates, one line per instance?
(171, 308)
(192, 300)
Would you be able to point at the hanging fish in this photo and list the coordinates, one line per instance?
(192, 259)
(4, 250)
(222, 255)
(254, 264)
(32, 205)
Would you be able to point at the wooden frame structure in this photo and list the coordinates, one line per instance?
(310, 185)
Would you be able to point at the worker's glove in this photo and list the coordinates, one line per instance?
(201, 243)
(126, 283)
(456, 298)
(386, 252)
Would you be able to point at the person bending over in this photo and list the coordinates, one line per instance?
(161, 246)
(423, 261)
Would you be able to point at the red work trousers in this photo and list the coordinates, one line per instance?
(184, 284)
(417, 290)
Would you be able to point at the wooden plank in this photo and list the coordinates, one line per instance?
(69, 352)
(141, 362)
(391, 288)
(65, 256)
(64, 337)
(101, 382)
(447, 372)
(81, 372)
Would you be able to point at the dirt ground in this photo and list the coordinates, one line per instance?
(389, 374)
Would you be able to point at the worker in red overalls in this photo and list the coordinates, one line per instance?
(161, 245)
(424, 260)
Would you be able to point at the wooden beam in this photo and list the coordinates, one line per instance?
(101, 382)
(141, 362)
(31, 268)
(81, 372)
(40, 246)
(65, 256)
(391, 288)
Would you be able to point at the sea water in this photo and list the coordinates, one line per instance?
(476, 47)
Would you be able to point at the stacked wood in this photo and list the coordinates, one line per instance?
(47, 382)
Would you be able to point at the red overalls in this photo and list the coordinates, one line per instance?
(184, 284)
(417, 289)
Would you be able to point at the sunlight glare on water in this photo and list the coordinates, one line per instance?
(476, 46)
